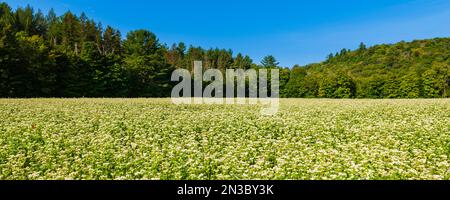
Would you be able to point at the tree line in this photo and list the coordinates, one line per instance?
(45, 55)
(417, 69)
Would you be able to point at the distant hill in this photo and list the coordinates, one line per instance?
(403, 70)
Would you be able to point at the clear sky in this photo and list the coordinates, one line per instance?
(295, 32)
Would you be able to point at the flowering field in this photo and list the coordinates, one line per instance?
(154, 139)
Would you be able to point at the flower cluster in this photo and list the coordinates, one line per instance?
(154, 139)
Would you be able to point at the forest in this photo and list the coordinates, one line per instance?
(46, 55)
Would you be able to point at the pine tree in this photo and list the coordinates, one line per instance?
(269, 62)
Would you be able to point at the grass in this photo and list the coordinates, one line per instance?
(154, 139)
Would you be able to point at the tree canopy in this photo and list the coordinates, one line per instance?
(417, 69)
(74, 56)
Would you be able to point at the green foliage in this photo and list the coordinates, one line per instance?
(410, 86)
(269, 62)
(431, 86)
(74, 56)
(435, 81)
(417, 69)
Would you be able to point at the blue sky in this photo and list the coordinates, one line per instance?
(295, 32)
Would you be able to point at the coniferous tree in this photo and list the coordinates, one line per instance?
(74, 56)
(269, 62)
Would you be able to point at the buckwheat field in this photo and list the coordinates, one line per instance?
(155, 139)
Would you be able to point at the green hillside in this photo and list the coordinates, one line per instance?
(402, 70)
